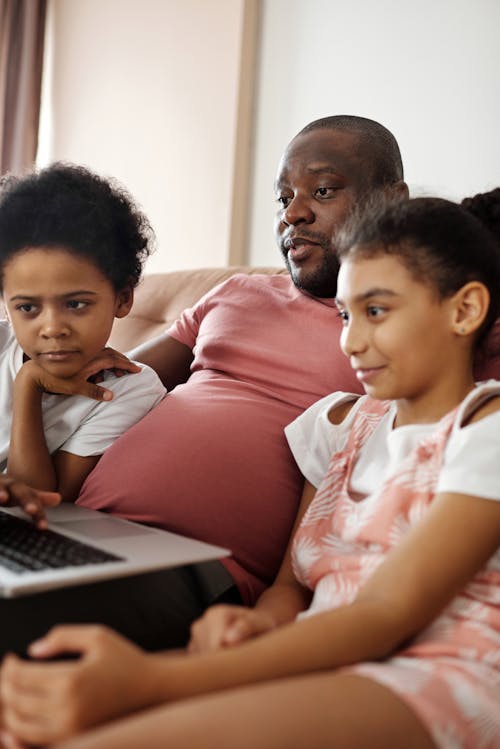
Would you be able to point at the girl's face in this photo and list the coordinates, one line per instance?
(61, 307)
(399, 336)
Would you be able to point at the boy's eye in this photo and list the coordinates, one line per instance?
(26, 308)
(76, 304)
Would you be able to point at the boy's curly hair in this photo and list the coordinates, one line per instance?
(70, 207)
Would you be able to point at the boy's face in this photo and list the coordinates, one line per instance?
(61, 307)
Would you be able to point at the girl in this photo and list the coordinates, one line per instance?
(71, 251)
(382, 628)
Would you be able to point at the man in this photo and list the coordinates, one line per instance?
(211, 461)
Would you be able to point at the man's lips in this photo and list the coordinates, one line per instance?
(299, 248)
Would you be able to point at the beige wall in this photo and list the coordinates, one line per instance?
(428, 70)
(148, 92)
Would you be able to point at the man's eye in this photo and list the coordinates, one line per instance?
(325, 192)
(76, 304)
(283, 200)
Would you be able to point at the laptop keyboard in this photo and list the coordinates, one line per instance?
(24, 548)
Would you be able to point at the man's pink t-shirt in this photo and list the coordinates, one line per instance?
(211, 460)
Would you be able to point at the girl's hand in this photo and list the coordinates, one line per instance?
(46, 702)
(222, 626)
(32, 501)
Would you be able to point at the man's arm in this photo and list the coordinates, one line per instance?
(168, 357)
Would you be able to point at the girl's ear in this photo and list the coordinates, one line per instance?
(124, 301)
(471, 304)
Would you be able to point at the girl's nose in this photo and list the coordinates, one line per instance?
(353, 339)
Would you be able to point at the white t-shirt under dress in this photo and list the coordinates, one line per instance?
(449, 674)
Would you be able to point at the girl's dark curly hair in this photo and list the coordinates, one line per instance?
(437, 240)
(68, 206)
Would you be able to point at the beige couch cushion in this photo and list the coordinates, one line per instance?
(161, 297)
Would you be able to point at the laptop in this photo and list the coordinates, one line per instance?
(83, 546)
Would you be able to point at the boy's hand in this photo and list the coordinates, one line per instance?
(83, 382)
(32, 501)
(222, 626)
(46, 702)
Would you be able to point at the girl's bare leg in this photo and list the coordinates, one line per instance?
(325, 711)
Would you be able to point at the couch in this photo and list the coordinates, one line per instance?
(161, 297)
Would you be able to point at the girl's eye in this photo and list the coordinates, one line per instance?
(76, 304)
(374, 311)
(344, 316)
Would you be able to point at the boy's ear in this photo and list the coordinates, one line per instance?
(124, 301)
(471, 306)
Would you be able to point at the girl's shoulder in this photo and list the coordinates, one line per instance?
(483, 401)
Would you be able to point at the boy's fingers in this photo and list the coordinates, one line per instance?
(95, 392)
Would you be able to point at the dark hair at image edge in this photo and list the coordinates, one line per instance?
(69, 206)
(436, 239)
(378, 146)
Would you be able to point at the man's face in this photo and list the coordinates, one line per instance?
(319, 180)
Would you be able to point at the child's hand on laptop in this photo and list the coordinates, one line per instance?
(32, 501)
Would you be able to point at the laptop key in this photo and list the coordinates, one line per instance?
(25, 548)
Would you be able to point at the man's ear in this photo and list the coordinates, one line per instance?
(398, 190)
(470, 307)
(124, 301)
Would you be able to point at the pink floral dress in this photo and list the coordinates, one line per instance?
(450, 673)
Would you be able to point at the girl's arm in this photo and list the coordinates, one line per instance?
(407, 591)
(222, 626)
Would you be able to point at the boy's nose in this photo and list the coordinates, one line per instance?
(53, 325)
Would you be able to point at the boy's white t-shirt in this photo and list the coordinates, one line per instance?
(74, 423)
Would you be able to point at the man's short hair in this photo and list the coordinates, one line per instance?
(378, 144)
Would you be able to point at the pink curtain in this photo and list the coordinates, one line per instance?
(22, 29)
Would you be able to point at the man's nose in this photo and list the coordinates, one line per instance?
(298, 211)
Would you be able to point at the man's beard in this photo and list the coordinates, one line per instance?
(321, 282)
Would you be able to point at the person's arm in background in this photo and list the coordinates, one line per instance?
(170, 359)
